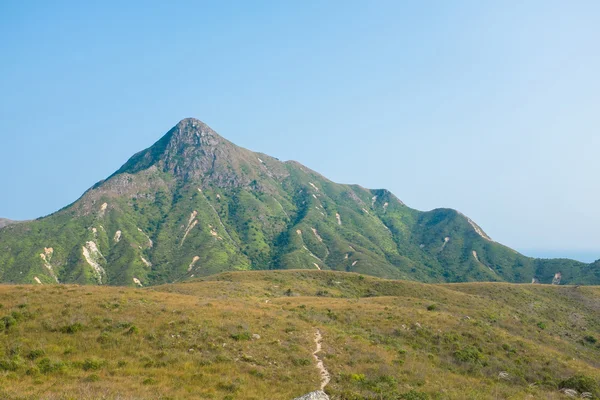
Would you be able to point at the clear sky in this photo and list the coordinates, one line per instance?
(492, 108)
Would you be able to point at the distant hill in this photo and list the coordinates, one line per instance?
(195, 204)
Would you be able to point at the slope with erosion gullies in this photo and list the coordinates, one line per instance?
(194, 204)
(250, 335)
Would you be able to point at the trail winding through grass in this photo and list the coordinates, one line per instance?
(325, 377)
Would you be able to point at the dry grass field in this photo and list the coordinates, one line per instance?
(250, 335)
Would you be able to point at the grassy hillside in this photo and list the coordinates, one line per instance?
(250, 335)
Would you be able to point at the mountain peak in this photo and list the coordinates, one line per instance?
(192, 151)
(189, 131)
(179, 150)
(192, 124)
(190, 120)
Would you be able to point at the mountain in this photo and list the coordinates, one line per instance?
(254, 335)
(195, 204)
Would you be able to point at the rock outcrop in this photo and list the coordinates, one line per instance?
(318, 395)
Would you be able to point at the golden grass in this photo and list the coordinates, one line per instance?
(194, 340)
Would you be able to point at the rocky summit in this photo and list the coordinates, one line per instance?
(195, 204)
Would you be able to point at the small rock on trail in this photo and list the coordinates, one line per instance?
(318, 395)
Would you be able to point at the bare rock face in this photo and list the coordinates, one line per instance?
(318, 395)
(193, 152)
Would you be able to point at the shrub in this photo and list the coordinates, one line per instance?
(35, 354)
(469, 354)
(506, 347)
(541, 325)
(431, 307)
(331, 314)
(9, 365)
(241, 336)
(414, 395)
(124, 325)
(72, 328)
(492, 318)
(590, 339)
(581, 383)
(257, 373)
(300, 362)
(132, 331)
(17, 315)
(7, 322)
(92, 364)
(384, 384)
(47, 366)
(22, 315)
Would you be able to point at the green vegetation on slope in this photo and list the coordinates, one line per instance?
(195, 204)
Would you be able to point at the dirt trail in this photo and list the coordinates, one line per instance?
(325, 377)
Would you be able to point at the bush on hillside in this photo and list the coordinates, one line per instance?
(590, 339)
(581, 383)
(414, 395)
(469, 354)
(72, 328)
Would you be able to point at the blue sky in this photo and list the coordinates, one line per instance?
(491, 108)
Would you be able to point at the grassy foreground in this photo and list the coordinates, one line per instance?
(250, 335)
